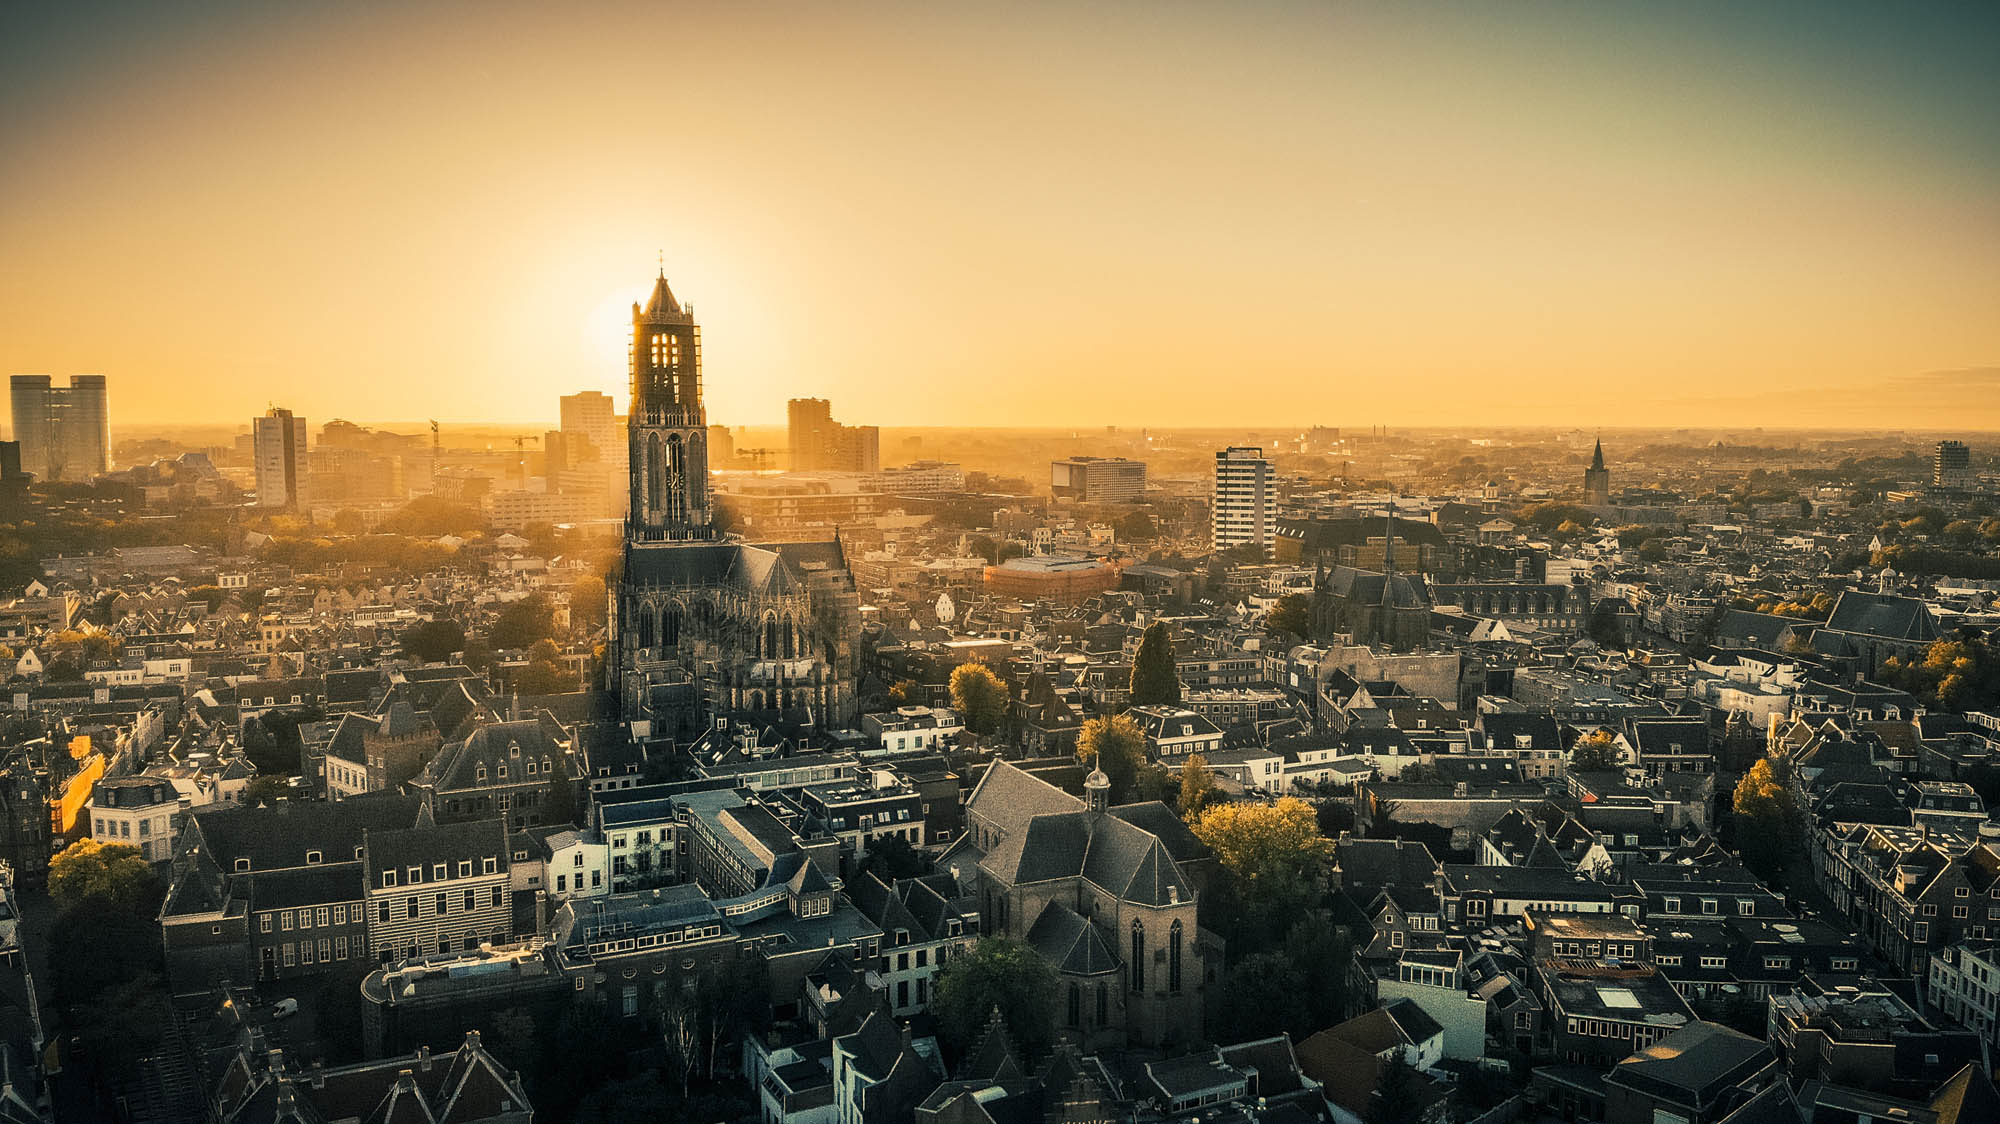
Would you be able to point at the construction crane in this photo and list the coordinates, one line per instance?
(437, 449)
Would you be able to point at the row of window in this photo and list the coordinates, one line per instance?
(307, 917)
(325, 951)
(440, 905)
(441, 872)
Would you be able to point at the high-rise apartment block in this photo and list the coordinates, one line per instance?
(820, 444)
(65, 432)
(589, 415)
(1245, 510)
(1098, 479)
(278, 446)
(1951, 465)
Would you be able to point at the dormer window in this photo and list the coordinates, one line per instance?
(416, 875)
(465, 867)
(479, 774)
(388, 878)
(490, 866)
(312, 858)
(440, 872)
(242, 865)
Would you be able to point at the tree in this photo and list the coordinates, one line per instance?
(906, 692)
(1767, 823)
(1135, 525)
(890, 857)
(433, 641)
(1003, 973)
(1274, 862)
(1198, 789)
(1289, 615)
(1605, 625)
(1397, 1099)
(589, 604)
(1595, 752)
(979, 696)
(114, 872)
(1118, 746)
(522, 623)
(1155, 679)
(263, 789)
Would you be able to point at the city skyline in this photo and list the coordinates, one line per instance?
(1450, 215)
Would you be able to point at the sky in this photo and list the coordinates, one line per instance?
(1609, 214)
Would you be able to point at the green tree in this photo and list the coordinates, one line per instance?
(114, 872)
(1767, 824)
(980, 697)
(1595, 752)
(1198, 789)
(1118, 746)
(997, 973)
(589, 604)
(1155, 679)
(906, 692)
(1275, 863)
(1397, 1098)
(264, 788)
(1290, 615)
(433, 641)
(522, 623)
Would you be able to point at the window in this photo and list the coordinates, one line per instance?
(1671, 905)
(440, 872)
(1174, 958)
(305, 952)
(1746, 907)
(340, 915)
(471, 900)
(1959, 911)
(242, 865)
(496, 897)
(442, 905)
(285, 920)
(416, 875)
(305, 919)
(1715, 962)
(264, 923)
(291, 954)
(312, 858)
(382, 913)
(410, 909)
(562, 883)
(1845, 963)
(388, 878)
(489, 866)
(1710, 906)
(1075, 1005)
(325, 916)
(340, 948)
(1138, 956)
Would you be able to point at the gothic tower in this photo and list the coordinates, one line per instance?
(668, 429)
(1597, 480)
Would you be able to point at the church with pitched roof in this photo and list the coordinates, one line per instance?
(706, 627)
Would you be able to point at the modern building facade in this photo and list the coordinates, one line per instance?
(1951, 465)
(819, 444)
(278, 444)
(1245, 506)
(64, 432)
(1098, 479)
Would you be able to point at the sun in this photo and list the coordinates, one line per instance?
(608, 328)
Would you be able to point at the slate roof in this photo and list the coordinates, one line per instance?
(1069, 943)
(1883, 615)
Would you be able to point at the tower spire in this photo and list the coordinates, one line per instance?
(1389, 556)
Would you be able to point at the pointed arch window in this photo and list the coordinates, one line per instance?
(1174, 958)
(1138, 955)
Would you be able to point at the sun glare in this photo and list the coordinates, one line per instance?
(609, 327)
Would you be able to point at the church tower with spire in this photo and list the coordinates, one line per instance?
(1597, 480)
(667, 432)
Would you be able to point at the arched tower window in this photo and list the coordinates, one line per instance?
(645, 626)
(770, 650)
(1138, 955)
(1174, 958)
(653, 467)
(1075, 1004)
(670, 625)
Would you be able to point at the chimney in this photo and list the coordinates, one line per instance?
(423, 1059)
(318, 1074)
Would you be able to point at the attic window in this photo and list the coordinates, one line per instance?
(242, 864)
(440, 872)
(312, 858)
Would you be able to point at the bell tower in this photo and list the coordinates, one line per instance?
(667, 430)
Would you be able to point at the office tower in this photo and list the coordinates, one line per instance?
(1098, 479)
(1951, 465)
(721, 445)
(589, 415)
(65, 432)
(1243, 498)
(278, 443)
(1597, 480)
(820, 444)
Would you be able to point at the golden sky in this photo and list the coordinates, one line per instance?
(1157, 214)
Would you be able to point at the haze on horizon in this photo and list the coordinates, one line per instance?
(1181, 215)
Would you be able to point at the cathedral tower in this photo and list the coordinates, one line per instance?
(668, 429)
(1597, 480)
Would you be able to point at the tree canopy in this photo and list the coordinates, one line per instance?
(115, 872)
(980, 697)
(1118, 746)
(1290, 615)
(1003, 973)
(1155, 679)
(1198, 789)
(1595, 752)
(1767, 824)
(433, 641)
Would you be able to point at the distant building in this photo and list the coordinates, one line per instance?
(818, 443)
(1053, 576)
(1597, 480)
(278, 443)
(1098, 479)
(1244, 508)
(589, 415)
(1951, 465)
(65, 432)
(921, 478)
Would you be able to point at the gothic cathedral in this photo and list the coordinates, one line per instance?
(706, 628)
